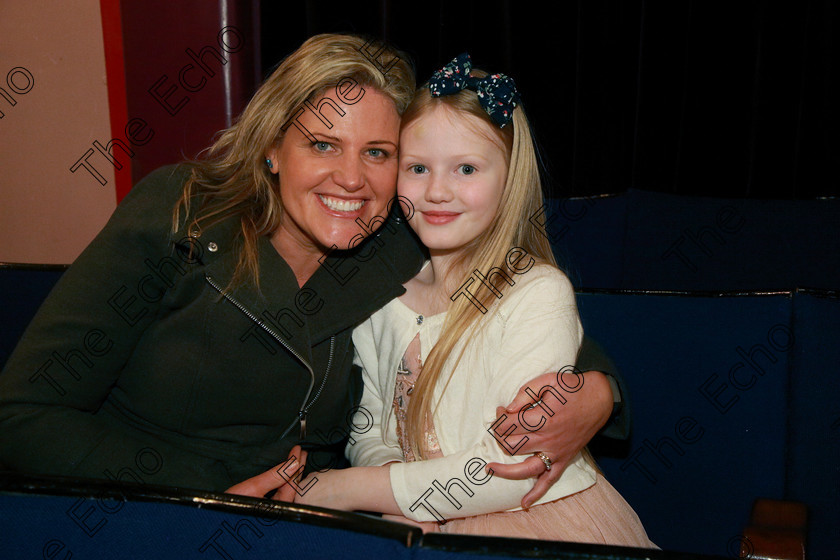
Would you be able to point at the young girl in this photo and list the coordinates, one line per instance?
(484, 313)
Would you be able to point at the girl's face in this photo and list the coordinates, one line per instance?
(454, 173)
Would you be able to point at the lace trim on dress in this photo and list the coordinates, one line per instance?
(407, 374)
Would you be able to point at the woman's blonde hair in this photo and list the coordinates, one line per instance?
(231, 178)
(522, 198)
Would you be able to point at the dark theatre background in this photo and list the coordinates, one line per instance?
(692, 151)
(732, 99)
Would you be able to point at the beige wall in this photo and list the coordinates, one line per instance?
(47, 213)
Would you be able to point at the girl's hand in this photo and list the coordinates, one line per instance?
(356, 488)
(328, 489)
(280, 478)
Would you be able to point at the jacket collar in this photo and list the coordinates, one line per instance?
(346, 289)
(355, 283)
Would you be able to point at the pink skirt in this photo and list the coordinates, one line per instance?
(596, 515)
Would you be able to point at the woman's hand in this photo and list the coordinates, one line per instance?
(560, 430)
(280, 478)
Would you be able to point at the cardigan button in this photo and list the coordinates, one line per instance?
(212, 247)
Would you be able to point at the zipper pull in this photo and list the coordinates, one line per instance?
(302, 416)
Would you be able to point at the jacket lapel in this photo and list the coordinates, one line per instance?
(345, 290)
(274, 302)
(351, 285)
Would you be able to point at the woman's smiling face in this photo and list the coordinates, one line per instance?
(453, 171)
(347, 173)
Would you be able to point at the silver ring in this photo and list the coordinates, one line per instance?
(544, 458)
(534, 405)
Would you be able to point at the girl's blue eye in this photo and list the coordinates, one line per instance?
(467, 169)
(418, 168)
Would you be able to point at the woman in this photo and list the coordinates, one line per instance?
(206, 330)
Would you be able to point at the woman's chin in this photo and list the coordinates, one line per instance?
(347, 234)
(345, 239)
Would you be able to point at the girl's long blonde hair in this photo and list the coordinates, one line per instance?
(522, 198)
(231, 178)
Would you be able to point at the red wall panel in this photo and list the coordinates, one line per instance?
(188, 68)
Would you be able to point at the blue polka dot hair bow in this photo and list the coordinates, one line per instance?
(496, 92)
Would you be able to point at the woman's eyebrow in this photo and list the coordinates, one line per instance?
(382, 142)
(327, 136)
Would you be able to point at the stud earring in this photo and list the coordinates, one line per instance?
(268, 162)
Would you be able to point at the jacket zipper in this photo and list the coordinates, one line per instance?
(304, 407)
(303, 412)
(326, 374)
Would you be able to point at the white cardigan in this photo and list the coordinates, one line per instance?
(533, 329)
